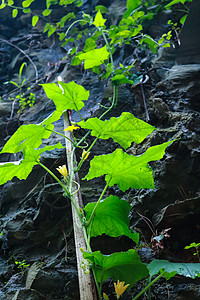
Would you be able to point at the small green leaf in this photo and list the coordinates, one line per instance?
(30, 136)
(89, 45)
(183, 19)
(133, 4)
(175, 2)
(127, 171)
(23, 168)
(14, 13)
(111, 218)
(66, 95)
(10, 2)
(191, 270)
(46, 12)
(123, 130)
(94, 58)
(99, 20)
(27, 3)
(121, 79)
(34, 20)
(51, 30)
(123, 266)
(2, 5)
(150, 43)
(26, 10)
(102, 9)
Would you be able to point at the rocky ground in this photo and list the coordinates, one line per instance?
(37, 256)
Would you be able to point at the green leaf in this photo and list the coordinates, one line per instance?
(10, 2)
(89, 45)
(123, 130)
(94, 58)
(22, 169)
(27, 3)
(123, 266)
(99, 20)
(26, 10)
(14, 13)
(66, 95)
(150, 43)
(127, 171)
(183, 19)
(102, 9)
(2, 5)
(46, 12)
(191, 270)
(51, 2)
(175, 2)
(133, 4)
(121, 79)
(111, 218)
(34, 20)
(30, 136)
(51, 30)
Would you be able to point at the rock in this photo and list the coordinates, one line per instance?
(188, 53)
(27, 294)
(5, 108)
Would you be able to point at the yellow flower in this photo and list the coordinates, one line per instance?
(62, 170)
(84, 156)
(71, 128)
(120, 288)
(105, 297)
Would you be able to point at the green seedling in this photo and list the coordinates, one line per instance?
(196, 246)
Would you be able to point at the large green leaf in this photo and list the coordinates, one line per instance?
(94, 58)
(127, 171)
(111, 218)
(191, 270)
(123, 266)
(22, 169)
(30, 135)
(66, 95)
(123, 130)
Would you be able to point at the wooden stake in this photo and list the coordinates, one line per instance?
(86, 283)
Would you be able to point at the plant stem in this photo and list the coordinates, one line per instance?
(148, 286)
(64, 187)
(97, 203)
(82, 160)
(62, 136)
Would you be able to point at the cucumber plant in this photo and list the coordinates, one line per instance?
(108, 215)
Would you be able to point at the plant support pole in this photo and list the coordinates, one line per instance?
(86, 285)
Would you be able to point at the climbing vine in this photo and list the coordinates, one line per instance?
(109, 215)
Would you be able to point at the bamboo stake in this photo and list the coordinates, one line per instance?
(86, 282)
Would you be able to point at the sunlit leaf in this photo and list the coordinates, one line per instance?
(22, 169)
(30, 136)
(34, 20)
(127, 171)
(175, 2)
(99, 20)
(10, 2)
(191, 270)
(66, 95)
(123, 266)
(14, 13)
(94, 58)
(111, 218)
(123, 130)
(46, 12)
(27, 3)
